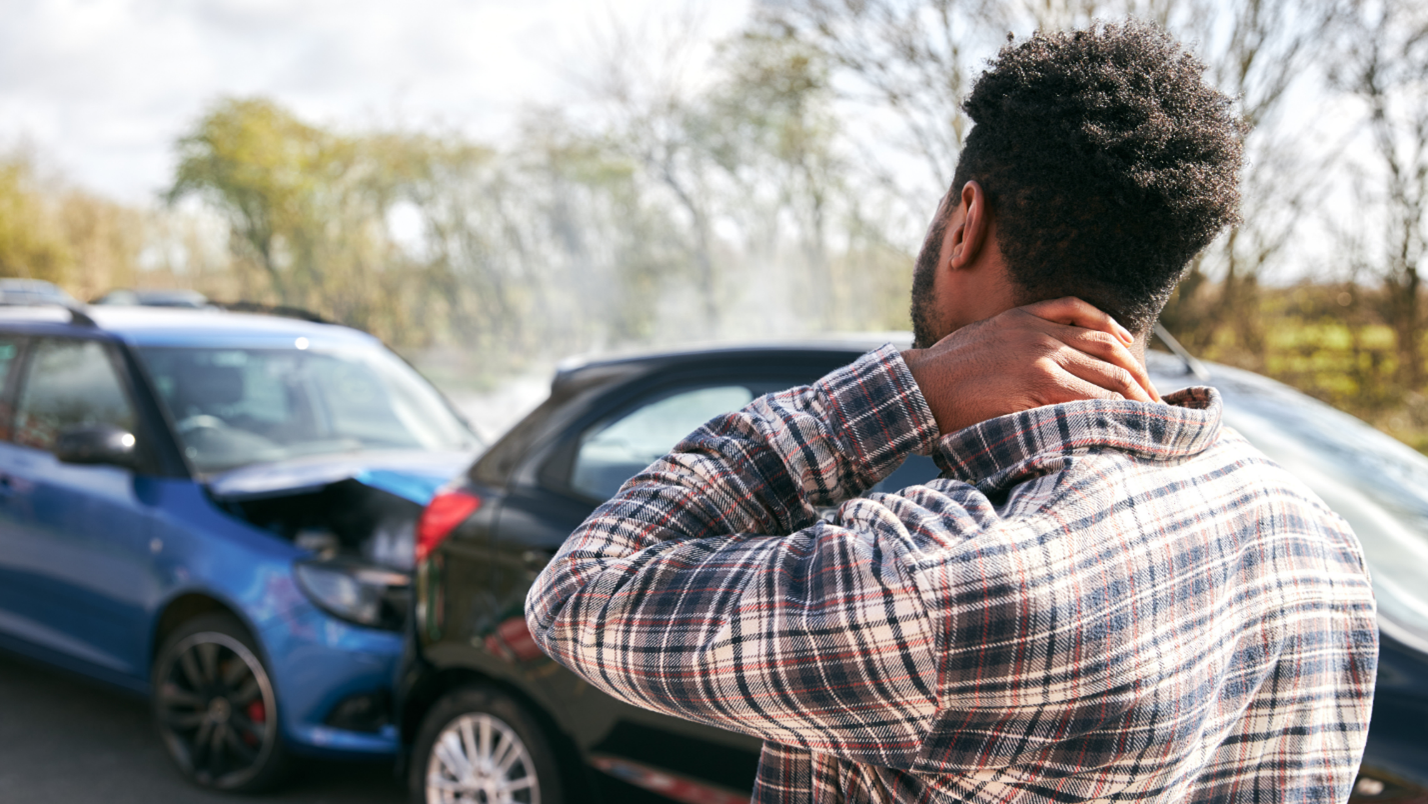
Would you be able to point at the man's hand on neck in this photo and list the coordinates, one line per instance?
(1063, 350)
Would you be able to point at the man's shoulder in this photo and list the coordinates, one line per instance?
(1228, 484)
(1260, 473)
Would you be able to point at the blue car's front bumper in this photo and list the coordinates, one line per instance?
(317, 662)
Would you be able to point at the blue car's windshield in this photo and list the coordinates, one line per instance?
(235, 406)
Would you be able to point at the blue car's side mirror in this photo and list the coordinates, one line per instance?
(97, 444)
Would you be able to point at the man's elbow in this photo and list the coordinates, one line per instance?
(543, 605)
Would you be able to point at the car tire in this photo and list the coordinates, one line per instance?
(513, 758)
(215, 708)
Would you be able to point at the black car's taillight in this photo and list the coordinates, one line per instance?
(441, 516)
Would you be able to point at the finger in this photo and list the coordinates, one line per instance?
(1098, 344)
(1101, 345)
(1073, 311)
(1107, 376)
(1065, 386)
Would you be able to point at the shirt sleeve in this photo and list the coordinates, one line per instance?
(708, 588)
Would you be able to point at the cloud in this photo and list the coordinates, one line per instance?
(104, 87)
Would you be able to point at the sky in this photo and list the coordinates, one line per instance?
(101, 89)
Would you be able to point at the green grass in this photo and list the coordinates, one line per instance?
(1340, 354)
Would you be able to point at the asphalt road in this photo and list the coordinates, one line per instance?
(65, 740)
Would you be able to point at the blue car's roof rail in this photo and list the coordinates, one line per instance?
(76, 315)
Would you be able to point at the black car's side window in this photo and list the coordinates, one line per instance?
(614, 451)
(914, 471)
(70, 383)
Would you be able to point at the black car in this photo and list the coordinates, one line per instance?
(481, 542)
(485, 712)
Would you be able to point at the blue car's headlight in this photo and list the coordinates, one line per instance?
(356, 592)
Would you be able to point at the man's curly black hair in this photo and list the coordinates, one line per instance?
(1107, 162)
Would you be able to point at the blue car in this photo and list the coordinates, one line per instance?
(217, 510)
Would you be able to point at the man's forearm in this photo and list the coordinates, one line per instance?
(669, 597)
(769, 467)
(764, 470)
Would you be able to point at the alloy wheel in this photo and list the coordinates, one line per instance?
(216, 710)
(479, 759)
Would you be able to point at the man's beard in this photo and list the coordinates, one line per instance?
(924, 272)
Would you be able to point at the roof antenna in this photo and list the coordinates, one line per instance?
(80, 317)
(1192, 366)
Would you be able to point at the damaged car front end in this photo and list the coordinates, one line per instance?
(335, 450)
(349, 522)
(354, 520)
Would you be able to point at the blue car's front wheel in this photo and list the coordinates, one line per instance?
(214, 706)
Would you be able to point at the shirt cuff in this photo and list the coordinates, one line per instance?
(879, 413)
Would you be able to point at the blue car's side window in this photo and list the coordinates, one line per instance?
(9, 350)
(71, 383)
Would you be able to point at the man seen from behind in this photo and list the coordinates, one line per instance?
(1106, 595)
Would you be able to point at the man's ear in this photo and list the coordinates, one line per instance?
(969, 233)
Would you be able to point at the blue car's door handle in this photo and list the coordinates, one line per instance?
(7, 486)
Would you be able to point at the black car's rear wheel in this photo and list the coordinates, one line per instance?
(479, 746)
(214, 706)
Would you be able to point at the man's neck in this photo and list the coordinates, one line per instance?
(1138, 346)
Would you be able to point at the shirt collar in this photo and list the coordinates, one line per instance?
(1001, 452)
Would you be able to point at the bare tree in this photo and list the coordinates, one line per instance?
(642, 83)
(1264, 53)
(902, 70)
(909, 63)
(749, 159)
(1385, 67)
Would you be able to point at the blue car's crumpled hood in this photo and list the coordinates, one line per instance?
(412, 475)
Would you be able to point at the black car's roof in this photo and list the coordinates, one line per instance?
(580, 371)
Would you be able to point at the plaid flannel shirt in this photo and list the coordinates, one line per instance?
(1098, 600)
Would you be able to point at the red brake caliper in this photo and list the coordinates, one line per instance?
(258, 714)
